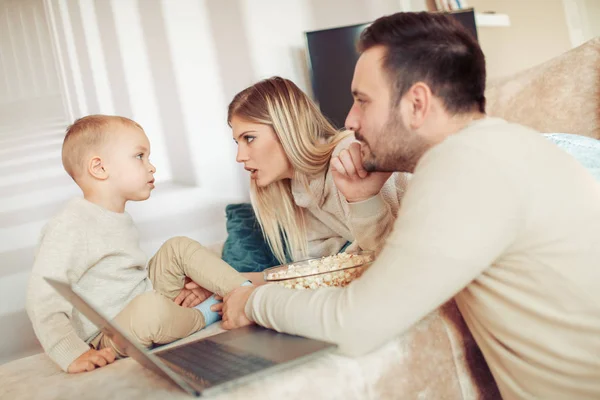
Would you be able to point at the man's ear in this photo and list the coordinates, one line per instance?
(419, 96)
(96, 168)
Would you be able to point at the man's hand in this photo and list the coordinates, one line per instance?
(92, 359)
(233, 307)
(351, 178)
(192, 294)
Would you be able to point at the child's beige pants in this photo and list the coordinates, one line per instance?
(153, 317)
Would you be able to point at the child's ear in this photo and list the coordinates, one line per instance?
(96, 168)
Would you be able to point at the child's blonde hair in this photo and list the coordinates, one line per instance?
(308, 140)
(86, 134)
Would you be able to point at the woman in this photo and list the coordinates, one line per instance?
(288, 147)
(301, 192)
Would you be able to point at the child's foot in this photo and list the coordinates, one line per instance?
(210, 317)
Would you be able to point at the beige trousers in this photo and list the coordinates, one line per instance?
(153, 317)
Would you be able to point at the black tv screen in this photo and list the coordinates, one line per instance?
(332, 56)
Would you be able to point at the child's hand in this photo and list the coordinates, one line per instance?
(192, 294)
(233, 307)
(91, 359)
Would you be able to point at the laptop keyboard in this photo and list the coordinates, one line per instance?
(213, 361)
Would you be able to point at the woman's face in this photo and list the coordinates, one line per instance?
(261, 152)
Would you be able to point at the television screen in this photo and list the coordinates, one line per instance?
(332, 56)
(467, 19)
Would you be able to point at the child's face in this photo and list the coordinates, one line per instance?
(128, 164)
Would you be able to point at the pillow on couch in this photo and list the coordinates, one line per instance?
(586, 150)
(245, 248)
(559, 95)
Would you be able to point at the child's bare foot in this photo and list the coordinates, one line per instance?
(192, 294)
(92, 359)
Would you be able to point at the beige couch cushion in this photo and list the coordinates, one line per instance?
(560, 95)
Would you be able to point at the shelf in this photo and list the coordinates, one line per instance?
(491, 20)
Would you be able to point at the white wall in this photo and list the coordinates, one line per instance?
(103, 47)
(32, 115)
(202, 103)
(538, 32)
(593, 16)
(277, 45)
(332, 13)
(583, 20)
(27, 69)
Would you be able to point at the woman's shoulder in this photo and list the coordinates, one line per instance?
(344, 143)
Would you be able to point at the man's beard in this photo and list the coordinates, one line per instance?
(398, 149)
(370, 165)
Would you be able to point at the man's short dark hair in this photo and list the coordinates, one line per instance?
(432, 48)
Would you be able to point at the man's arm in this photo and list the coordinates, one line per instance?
(459, 214)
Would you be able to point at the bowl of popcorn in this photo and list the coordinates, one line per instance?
(337, 270)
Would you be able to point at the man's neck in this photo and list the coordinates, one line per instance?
(454, 124)
(104, 200)
(459, 122)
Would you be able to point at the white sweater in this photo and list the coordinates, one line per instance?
(507, 222)
(98, 252)
(332, 221)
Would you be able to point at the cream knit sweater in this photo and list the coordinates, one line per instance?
(98, 252)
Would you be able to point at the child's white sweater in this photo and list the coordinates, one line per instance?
(98, 252)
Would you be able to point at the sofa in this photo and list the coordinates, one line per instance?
(560, 95)
(436, 359)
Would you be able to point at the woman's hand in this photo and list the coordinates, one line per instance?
(351, 178)
(192, 294)
(233, 307)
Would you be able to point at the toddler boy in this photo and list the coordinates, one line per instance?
(93, 244)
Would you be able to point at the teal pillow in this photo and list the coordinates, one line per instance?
(245, 248)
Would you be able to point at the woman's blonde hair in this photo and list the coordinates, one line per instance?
(308, 140)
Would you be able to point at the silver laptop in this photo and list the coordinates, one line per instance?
(211, 364)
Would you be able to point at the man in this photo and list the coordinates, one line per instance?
(495, 216)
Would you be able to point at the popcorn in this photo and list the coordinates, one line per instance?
(336, 270)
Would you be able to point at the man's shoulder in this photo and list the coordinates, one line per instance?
(344, 143)
(485, 147)
(493, 139)
(495, 130)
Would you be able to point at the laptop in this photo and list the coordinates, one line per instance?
(211, 364)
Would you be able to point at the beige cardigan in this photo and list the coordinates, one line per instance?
(332, 221)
